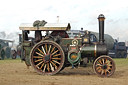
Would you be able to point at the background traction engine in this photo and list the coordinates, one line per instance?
(53, 52)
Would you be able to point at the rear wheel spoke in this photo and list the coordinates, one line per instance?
(54, 65)
(39, 63)
(39, 54)
(55, 52)
(49, 49)
(56, 58)
(52, 49)
(46, 47)
(37, 57)
(38, 60)
(43, 50)
(44, 68)
(48, 67)
(51, 67)
(55, 61)
(40, 51)
(56, 55)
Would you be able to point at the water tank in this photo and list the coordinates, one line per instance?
(109, 41)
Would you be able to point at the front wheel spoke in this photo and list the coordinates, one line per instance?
(103, 61)
(105, 72)
(102, 72)
(99, 65)
(106, 61)
(38, 60)
(51, 67)
(39, 54)
(56, 58)
(98, 68)
(109, 65)
(55, 52)
(100, 61)
(109, 68)
(56, 61)
(43, 50)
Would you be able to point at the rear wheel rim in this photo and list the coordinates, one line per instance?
(47, 58)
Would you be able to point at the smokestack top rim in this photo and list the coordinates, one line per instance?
(101, 16)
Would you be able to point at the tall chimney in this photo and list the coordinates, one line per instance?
(101, 19)
(57, 19)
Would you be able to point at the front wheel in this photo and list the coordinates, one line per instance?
(47, 57)
(104, 66)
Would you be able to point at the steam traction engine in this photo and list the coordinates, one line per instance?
(53, 52)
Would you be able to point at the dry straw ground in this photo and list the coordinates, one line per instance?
(15, 72)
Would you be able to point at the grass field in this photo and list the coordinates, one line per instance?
(10, 61)
(118, 61)
(121, 61)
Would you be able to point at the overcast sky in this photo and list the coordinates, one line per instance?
(79, 13)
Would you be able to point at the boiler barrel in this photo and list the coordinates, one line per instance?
(93, 50)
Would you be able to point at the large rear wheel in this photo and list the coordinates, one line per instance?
(104, 66)
(47, 57)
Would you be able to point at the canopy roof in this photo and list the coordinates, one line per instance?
(46, 27)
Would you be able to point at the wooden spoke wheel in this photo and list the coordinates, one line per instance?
(47, 57)
(104, 66)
